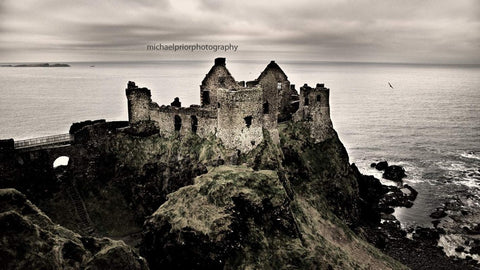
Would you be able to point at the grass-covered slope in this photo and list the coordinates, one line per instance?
(236, 218)
(320, 171)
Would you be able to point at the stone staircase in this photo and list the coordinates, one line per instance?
(86, 225)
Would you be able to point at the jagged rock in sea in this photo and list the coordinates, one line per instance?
(30, 240)
(395, 173)
(381, 166)
(438, 213)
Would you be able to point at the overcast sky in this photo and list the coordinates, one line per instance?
(433, 31)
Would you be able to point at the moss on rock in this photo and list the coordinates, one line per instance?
(320, 171)
(30, 240)
(236, 218)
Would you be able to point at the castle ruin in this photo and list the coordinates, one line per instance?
(236, 112)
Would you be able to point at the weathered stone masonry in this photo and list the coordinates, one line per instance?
(235, 112)
(240, 117)
(314, 107)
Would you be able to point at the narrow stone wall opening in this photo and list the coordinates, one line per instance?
(178, 123)
(206, 97)
(266, 108)
(194, 123)
(319, 98)
(248, 121)
(306, 101)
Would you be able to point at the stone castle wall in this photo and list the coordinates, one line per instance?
(169, 119)
(240, 118)
(194, 119)
(277, 92)
(217, 77)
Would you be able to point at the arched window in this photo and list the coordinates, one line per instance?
(306, 101)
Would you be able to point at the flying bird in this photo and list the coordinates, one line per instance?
(390, 85)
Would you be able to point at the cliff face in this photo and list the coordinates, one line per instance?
(320, 171)
(286, 207)
(30, 240)
(282, 205)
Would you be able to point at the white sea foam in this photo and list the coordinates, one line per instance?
(470, 155)
(414, 173)
(450, 241)
(461, 173)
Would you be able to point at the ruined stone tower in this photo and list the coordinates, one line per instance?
(278, 94)
(240, 118)
(139, 100)
(314, 107)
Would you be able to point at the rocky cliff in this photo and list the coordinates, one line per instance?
(281, 206)
(188, 202)
(30, 240)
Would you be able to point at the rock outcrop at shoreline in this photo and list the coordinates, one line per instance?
(37, 65)
(391, 172)
(30, 240)
(395, 173)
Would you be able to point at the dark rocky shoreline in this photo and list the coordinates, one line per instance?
(417, 247)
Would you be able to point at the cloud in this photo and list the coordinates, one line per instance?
(367, 30)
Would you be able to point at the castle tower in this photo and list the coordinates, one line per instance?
(314, 107)
(277, 91)
(139, 100)
(217, 77)
(240, 118)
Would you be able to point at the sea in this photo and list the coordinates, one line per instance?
(427, 121)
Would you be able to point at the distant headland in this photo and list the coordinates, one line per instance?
(37, 65)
